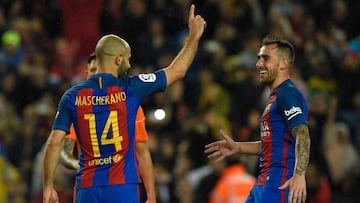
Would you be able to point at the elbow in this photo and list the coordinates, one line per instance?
(179, 72)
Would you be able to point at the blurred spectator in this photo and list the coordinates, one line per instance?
(207, 176)
(319, 188)
(80, 24)
(11, 181)
(341, 157)
(111, 16)
(11, 53)
(234, 184)
(153, 43)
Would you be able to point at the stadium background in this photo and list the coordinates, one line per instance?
(43, 51)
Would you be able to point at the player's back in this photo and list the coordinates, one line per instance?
(103, 111)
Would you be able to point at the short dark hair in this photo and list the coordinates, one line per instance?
(281, 43)
(91, 57)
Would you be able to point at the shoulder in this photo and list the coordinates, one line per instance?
(288, 89)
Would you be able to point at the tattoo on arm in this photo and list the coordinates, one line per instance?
(302, 151)
(69, 145)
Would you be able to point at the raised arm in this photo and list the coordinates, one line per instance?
(179, 66)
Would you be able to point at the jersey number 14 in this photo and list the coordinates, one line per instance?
(111, 123)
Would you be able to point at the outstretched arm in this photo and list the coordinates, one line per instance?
(179, 66)
(228, 147)
(297, 183)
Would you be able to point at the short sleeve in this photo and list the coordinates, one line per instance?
(292, 106)
(141, 134)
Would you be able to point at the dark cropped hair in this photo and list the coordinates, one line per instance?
(91, 58)
(282, 44)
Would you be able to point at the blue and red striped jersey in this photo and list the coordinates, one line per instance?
(285, 109)
(103, 110)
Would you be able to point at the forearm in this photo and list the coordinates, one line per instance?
(51, 157)
(146, 170)
(302, 148)
(251, 148)
(179, 66)
(67, 158)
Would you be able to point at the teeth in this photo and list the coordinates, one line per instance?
(263, 71)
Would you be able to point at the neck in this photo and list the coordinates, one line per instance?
(277, 82)
(108, 70)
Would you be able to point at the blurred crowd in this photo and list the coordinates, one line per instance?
(44, 48)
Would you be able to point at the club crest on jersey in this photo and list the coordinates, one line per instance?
(291, 113)
(267, 108)
(147, 77)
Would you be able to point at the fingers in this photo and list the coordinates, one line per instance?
(218, 155)
(227, 138)
(297, 196)
(285, 185)
(212, 147)
(213, 144)
(192, 12)
(222, 133)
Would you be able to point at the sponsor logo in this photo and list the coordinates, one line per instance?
(265, 129)
(148, 77)
(291, 113)
(106, 160)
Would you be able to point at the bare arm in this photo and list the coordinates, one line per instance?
(146, 170)
(297, 182)
(302, 150)
(51, 158)
(228, 147)
(179, 66)
(67, 158)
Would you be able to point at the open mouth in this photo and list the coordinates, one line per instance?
(263, 72)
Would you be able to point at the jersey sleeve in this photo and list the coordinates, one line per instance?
(147, 84)
(141, 134)
(292, 106)
(72, 134)
(62, 119)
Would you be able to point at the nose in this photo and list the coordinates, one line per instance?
(259, 64)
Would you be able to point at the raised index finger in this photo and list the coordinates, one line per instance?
(191, 13)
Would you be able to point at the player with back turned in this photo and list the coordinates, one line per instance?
(284, 147)
(103, 110)
(141, 137)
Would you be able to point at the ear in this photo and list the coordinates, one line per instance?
(118, 59)
(284, 64)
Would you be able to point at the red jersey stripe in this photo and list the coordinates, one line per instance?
(117, 172)
(84, 140)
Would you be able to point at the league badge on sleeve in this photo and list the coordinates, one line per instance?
(147, 77)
